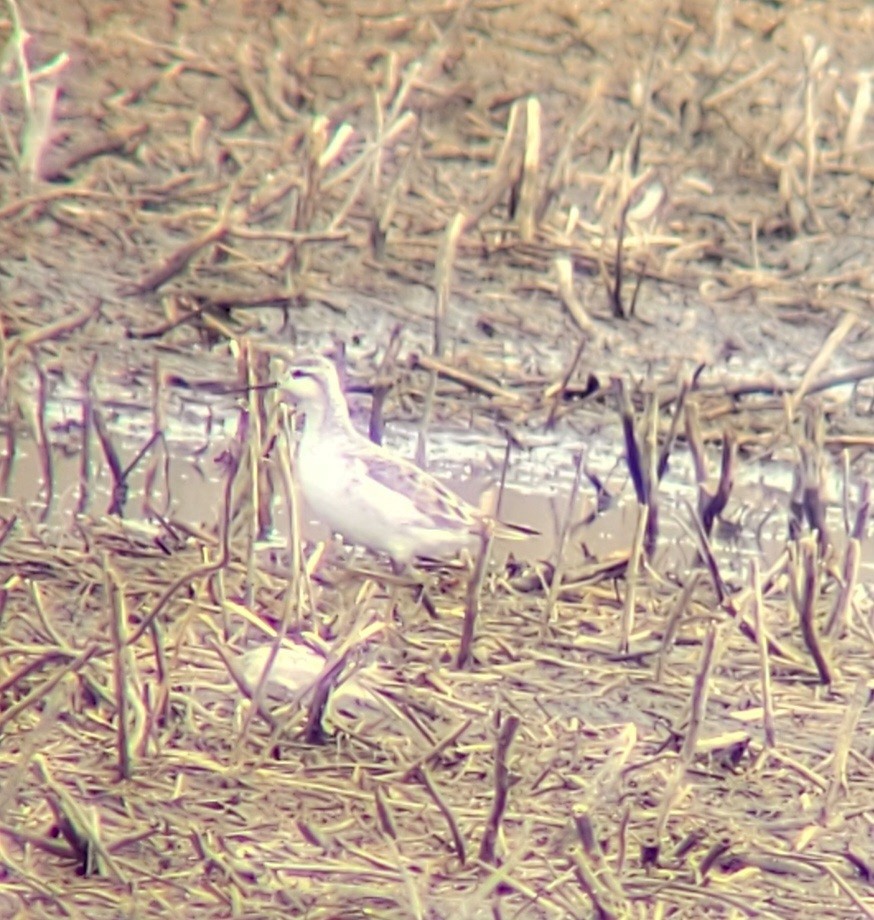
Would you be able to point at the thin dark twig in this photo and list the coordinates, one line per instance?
(502, 789)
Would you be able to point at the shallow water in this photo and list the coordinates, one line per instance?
(187, 481)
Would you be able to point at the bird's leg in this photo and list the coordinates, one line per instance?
(419, 585)
(424, 598)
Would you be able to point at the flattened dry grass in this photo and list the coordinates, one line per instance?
(627, 740)
(632, 782)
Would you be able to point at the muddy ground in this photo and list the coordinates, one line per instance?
(611, 231)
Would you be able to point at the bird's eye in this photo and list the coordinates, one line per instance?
(297, 373)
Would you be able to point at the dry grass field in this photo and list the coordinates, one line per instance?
(630, 240)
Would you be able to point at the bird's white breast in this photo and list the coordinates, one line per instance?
(339, 492)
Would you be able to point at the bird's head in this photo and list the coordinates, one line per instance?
(313, 384)
(310, 378)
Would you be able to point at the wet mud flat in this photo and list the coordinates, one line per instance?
(628, 252)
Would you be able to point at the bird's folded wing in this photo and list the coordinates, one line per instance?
(428, 499)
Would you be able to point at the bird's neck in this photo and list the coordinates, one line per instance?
(329, 417)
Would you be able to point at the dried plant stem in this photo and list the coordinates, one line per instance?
(815, 60)
(635, 564)
(79, 828)
(555, 393)
(6, 528)
(45, 620)
(863, 512)
(764, 661)
(527, 213)
(473, 599)
(19, 37)
(699, 695)
(842, 747)
(698, 708)
(292, 604)
(564, 273)
(299, 584)
(443, 271)
(845, 490)
(314, 732)
(118, 473)
(87, 428)
(561, 550)
(253, 447)
(506, 172)
(822, 359)
(55, 330)
(158, 427)
(382, 386)
(645, 464)
(840, 614)
(474, 382)
(858, 114)
(7, 454)
(75, 665)
(506, 733)
(809, 561)
(41, 438)
(606, 885)
(717, 98)
(706, 552)
(172, 264)
(33, 742)
(117, 633)
(604, 901)
(673, 624)
(421, 774)
(711, 501)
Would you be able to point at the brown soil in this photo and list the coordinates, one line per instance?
(557, 212)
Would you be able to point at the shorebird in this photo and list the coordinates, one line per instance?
(367, 494)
